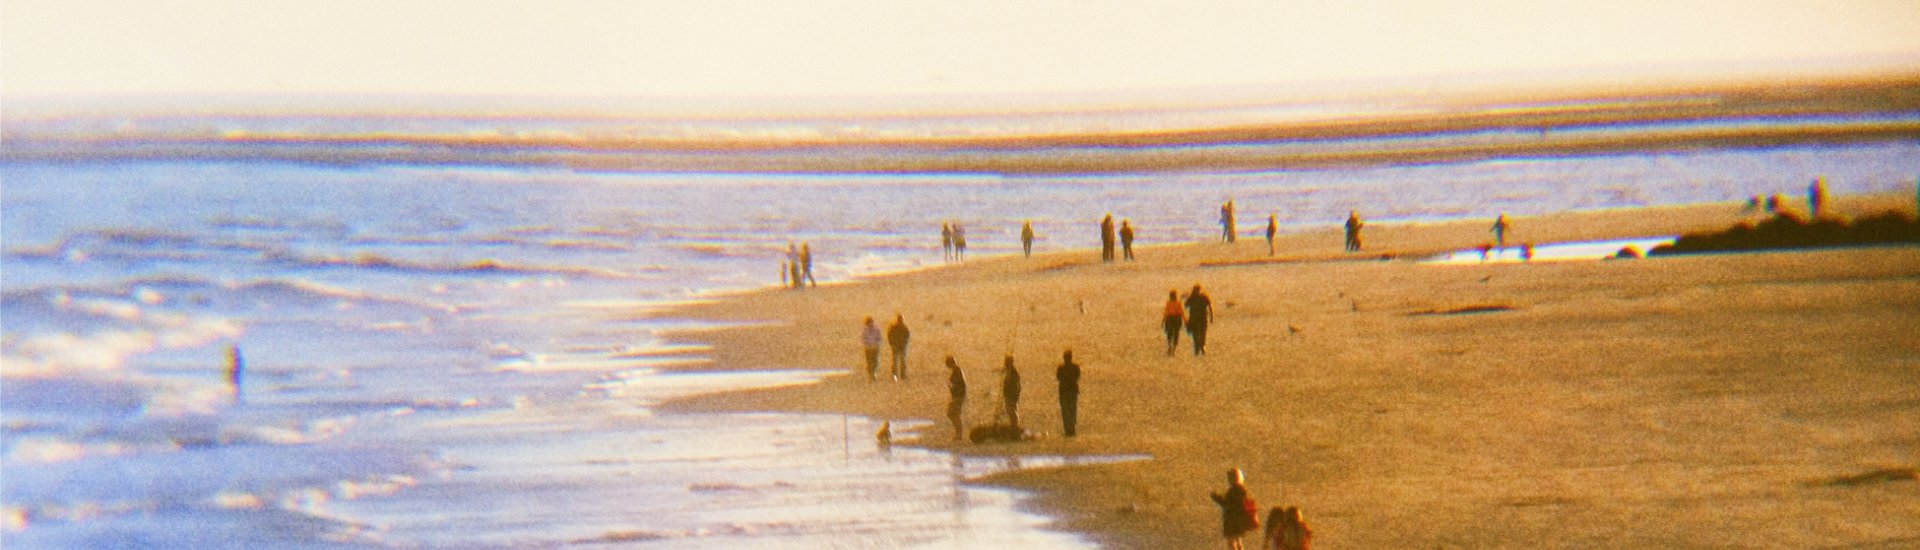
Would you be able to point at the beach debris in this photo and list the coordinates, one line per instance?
(1883, 475)
(1293, 329)
(1464, 310)
(1629, 252)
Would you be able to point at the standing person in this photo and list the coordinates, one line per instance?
(870, 342)
(784, 269)
(236, 374)
(959, 242)
(946, 242)
(793, 263)
(1817, 198)
(1226, 221)
(1353, 230)
(1010, 392)
(1236, 509)
(1273, 226)
(1171, 317)
(806, 264)
(957, 396)
(1126, 238)
(1500, 227)
(1026, 238)
(1199, 315)
(897, 337)
(1068, 374)
(1106, 238)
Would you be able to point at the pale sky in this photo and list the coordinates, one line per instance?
(882, 48)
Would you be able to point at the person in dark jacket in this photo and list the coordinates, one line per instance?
(1069, 376)
(957, 390)
(1273, 226)
(1026, 238)
(1199, 315)
(1236, 509)
(1353, 230)
(897, 337)
(1106, 238)
(1126, 239)
(1010, 392)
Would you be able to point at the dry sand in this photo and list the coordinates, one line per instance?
(1731, 400)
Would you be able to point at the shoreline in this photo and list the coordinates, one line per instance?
(1393, 428)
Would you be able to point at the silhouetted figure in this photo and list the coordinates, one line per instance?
(806, 265)
(1026, 238)
(959, 242)
(870, 343)
(786, 270)
(236, 374)
(1126, 239)
(1286, 530)
(1171, 318)
(1773, 204)
(1226, 221)
(1199, 315)
(1353, 230)
(1273, 226)
(1106, 238)
(1817, 198)
(897, 337)
(1500, 227)
(1010, 392)
(957, 396)
(1068, 374)
(946, 242)
(1237, 509)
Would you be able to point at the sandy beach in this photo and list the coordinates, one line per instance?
(1725, 400)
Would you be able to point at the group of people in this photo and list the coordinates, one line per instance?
(797, 271)
(1286, 529)
(1067, 375)
(1107, 235)
(897, 338)
(953, 242)
(1194, 314)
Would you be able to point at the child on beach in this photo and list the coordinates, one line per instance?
(1171, 317)
(1237, 510)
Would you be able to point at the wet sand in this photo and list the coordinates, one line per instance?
(1750, 400)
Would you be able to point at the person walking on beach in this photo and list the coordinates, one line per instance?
(1106, 238)
(1353, 230)
(1026, 238)
(784, 280)
(959, 242)
(946, 242)
(897, 336)
(1500, 228)
(1226, 221)
(806, 265)
(1126, 238)
(1237, 510)
(870, 343)
(1010, 392)
(1273, 226)
(1171, 318)
(957, 396)
(1068, 374)
(1199, 315)
(793, 263)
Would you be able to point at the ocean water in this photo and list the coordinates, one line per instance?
(468, 356)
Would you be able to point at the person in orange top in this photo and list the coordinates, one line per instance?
(1171, 319)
